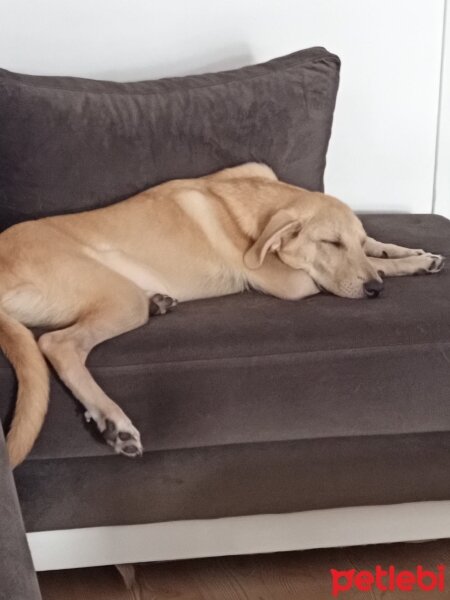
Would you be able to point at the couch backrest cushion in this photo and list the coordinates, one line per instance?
(70, 144)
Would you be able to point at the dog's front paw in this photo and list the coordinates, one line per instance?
(123, 437)
(436, 263)
(430, 263)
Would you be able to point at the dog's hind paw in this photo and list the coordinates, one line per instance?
(160, 304)
(123, 437)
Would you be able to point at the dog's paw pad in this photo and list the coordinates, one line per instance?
(160, 304)
(123, 437)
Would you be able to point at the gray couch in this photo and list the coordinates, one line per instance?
(335, 402)
(247, 405)
(17, 577)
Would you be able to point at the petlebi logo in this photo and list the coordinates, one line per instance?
(388, 579)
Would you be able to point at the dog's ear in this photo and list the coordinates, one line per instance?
(271, 238)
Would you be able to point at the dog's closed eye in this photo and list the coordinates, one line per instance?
(335, 243)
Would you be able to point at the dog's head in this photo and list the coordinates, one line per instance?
(326, 240)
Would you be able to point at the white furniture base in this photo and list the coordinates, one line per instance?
(174, 540)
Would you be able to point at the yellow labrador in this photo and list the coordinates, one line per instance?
(89, 276)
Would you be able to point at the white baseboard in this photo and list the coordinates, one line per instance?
(174, 540)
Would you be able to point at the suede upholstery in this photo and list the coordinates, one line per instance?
(225, 390)
(69, 144)
(252, 368)
(246, 404)
(234, 480)
(17, 577)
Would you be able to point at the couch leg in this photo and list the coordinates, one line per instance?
(128, 574)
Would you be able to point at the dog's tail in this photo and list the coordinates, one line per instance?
(21, 349)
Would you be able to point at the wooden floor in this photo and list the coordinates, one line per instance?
(285, 576)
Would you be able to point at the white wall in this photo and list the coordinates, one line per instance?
(384, 138)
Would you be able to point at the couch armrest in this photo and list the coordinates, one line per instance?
(17, 575)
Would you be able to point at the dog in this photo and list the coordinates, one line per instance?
(90, 276)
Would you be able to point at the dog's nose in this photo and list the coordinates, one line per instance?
(373, 288)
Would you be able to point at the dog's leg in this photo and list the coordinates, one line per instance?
(380, 250)
(277, 279)
(67, 350)
(411, 265)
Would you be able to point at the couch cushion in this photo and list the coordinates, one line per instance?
(250, 368)
(69, 144)
(234, 480)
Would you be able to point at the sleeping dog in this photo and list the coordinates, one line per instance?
(90, 276)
